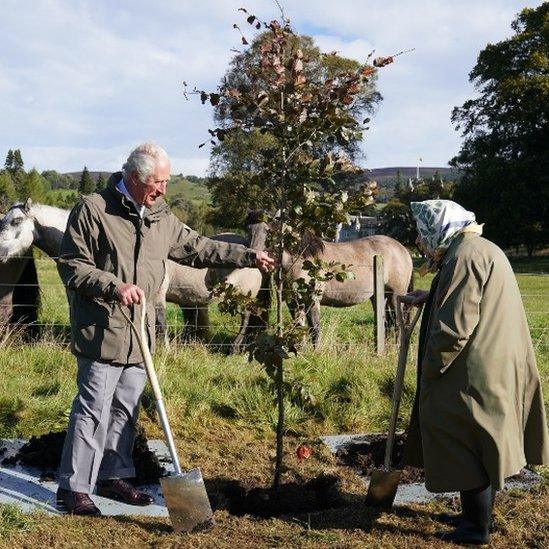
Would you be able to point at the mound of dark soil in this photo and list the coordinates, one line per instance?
(293, 498)
(44, 453)
(369, 454)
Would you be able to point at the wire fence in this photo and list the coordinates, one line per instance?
(342, 324)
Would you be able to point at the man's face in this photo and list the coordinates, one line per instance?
(155, 185)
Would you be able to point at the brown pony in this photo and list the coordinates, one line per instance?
(357, 253)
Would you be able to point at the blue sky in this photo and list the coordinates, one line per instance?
(84, 81)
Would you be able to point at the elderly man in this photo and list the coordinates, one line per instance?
(479, 415)
(114, 250)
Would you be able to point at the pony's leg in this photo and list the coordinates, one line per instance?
(236, 346)
(197, 323)
(160, 325)
(202, 323)
(313, 319)
(190, 322)
(160, 310)
(391, 320)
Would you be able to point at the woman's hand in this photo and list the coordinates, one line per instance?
(415, 298)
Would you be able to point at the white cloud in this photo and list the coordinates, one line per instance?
(82, 81)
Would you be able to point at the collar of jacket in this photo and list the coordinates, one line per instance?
(453, 245)
(158, 210)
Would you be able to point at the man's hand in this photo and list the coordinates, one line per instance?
(415, 298)
(264, 262)
(130, 293)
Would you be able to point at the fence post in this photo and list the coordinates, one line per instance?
(379, 309)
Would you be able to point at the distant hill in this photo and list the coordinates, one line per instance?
(94, 175)
(194, 188)
(382, 174)
(387, 178)
(189, 187)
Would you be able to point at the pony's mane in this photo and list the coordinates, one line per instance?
(254, 217)
(311, 245)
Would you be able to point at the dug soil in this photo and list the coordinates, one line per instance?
(44, 453)
(294, 498)
(369, 454)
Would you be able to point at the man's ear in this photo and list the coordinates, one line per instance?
(133, 179)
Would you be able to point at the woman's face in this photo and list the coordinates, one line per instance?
(422, 247)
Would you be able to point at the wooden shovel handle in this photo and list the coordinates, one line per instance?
(141, 337)
(405, 335)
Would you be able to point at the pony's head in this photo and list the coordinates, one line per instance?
(257, 229)
(17, 231)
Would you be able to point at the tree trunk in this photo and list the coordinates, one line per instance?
(279, 379)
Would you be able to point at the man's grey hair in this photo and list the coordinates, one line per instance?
(144, 159)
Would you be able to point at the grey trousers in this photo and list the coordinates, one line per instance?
(102, 425)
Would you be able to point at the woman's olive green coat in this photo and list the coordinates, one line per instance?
(479, 404)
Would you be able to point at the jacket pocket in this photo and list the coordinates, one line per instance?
(92, 312)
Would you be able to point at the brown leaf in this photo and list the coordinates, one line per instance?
(251, 19)
(298, 65)
(368, 70)
(300, 80)
(244, 41)
(214, 99)
(382, 61)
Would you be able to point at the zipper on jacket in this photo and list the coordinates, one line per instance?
(137, 248)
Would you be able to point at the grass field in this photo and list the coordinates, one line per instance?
(223, 419)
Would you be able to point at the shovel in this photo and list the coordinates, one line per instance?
(185, 494)
(384, 482)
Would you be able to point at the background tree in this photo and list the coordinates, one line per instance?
(397, 214)
(18, 164)
(8, 164)
(87, 184)
(505, 157)
(237, 159)
(101, 183)
(16, 168)
(58, 180)
(33, 187)
(8, 194)
(309, 123)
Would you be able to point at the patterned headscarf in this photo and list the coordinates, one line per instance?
(439, 222)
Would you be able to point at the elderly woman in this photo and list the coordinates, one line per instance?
(479, 415)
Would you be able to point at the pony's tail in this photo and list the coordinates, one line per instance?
(411, 283)
(26, 301)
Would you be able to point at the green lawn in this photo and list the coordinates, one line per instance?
(223, 416)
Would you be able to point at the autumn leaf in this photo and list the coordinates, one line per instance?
(303, 452)
(368, 70)
(382, 61)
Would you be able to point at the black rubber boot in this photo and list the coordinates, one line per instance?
(455, 519)
(474, 529)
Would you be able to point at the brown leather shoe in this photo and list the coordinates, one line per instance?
(76, 503)
(123, 491)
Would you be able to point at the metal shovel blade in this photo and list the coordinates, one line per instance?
(187, 501)
(383, 488)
